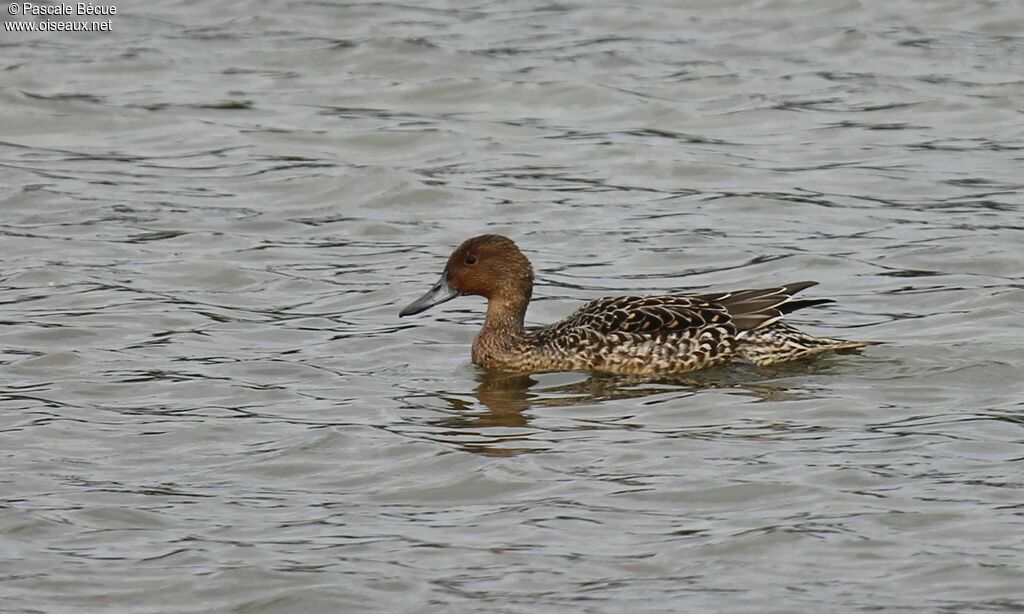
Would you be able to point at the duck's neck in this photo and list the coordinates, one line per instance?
(506, 312)
(503, 328)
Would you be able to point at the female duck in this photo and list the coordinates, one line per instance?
(634, 335)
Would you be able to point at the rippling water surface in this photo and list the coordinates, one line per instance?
(211, 216)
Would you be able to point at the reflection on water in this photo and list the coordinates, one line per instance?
(507, 400)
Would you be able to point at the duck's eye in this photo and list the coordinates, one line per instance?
(470, 260)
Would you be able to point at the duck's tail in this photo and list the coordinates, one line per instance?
(780, 343)
(762, 337)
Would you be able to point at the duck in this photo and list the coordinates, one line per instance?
(660, 335)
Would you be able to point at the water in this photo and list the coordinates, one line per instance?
(211, 216)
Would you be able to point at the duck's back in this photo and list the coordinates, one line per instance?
(668, 334)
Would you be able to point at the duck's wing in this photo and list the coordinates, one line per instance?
(753, 309)
(685, 313)
(644, 315)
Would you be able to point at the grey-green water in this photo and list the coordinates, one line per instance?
(210, 217)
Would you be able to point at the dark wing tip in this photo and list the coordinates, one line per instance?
(752, 309)
(791, 306)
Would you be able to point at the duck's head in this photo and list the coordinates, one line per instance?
(489, 265)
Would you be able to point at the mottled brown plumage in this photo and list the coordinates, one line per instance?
(635, 335)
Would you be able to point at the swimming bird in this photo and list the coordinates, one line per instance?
(633, 335)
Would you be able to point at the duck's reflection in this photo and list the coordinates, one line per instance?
(505, 401)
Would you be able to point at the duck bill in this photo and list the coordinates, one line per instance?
(440, 293)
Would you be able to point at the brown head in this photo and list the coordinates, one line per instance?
(490, 266)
